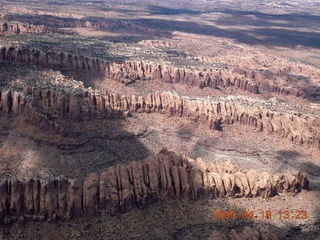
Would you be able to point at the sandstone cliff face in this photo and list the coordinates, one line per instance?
(129, 71)
(213, 78)
(21, 28)
(275, 75)
(123, 187)
(55, 21)
(52, 60)
(45, 108)
(228, 78)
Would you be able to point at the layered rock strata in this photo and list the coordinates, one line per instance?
(120, 188)
(61, 22)
(130, 71)
(52, 60)
(21, 28)
(47, 107)
(95, 23)
(225, 77)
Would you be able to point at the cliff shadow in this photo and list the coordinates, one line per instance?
(289, 159)
(85, 146)
(266, 34)
(103, 142)
(293, 159)
(161, 10)
(254, 28)
(255, 18)
(310, 168)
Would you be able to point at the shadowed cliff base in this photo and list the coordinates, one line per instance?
(260, 36)
(75, 155)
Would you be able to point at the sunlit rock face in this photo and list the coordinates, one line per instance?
(237, 78)
(44, 108)
(120, 188)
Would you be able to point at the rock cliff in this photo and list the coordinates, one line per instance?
(21, 28)
(120, 188)
(227, 77)
(62, 22)
(95, 23)
(130, 71)
(52, 60)
(47, 107)
(9, 27)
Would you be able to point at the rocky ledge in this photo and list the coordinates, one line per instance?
(120, 188)
(128, 72)
(48, 107)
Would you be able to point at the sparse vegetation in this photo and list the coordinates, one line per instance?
(217, 80)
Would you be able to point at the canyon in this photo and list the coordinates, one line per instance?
(140, 120)
(128, 72)
(53, 106)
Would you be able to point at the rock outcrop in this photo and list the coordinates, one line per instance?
(125, 72)
(130, 71)
(63, 22)
(120, 188)
(46, 107)
(54, 22)
(228, 77)
(21, 28)
(52, 60)
(214, 78)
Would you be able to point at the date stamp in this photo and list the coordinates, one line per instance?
(263, 214)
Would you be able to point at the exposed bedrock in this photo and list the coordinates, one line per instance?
(23, 28)
(60, 22)
(96, 23)
(129, 71)
(52, 60)
(46, 108)
(229, 77)
(120, 188)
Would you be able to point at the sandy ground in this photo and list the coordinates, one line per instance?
(185, 220)
(28, 152)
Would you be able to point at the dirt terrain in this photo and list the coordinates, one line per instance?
(147, 120)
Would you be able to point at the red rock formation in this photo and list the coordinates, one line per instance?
(123, 187)
(96, 23)
(202, 78)
(21, 28)
(130, 71)
(51, 21)
(52, 60)
(40, 106)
